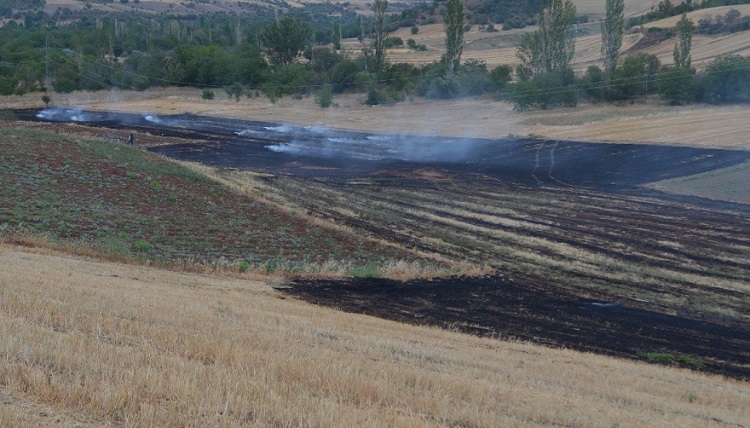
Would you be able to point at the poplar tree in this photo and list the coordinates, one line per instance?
(613, 28)
(379, 37)
(681, 52)
(551, 47)
(454, 34)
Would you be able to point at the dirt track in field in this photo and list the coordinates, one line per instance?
(565, 224)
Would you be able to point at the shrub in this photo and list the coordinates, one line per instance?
(141, 247)
(370, 270)
(324, 97)
(414, 46)
(500, 76)
(634, 77)
(546, 90)
(726, 80)
(243, 266)
(593, 83)
(208, 95)
(392, 42)
(677, 86)
(235, 91)
(343, 75)
(414, 29)
(373, 96)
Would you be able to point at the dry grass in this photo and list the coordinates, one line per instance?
(131, 346)
(696, 15)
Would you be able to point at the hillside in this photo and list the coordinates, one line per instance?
(96, 344)
(496, 48)
(126, 203)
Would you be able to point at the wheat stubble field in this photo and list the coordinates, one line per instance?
(92, 344)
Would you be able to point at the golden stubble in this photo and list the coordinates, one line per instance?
(123, 345)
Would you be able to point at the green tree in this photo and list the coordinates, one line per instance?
(379, 35)
(726, 79)
(285, 39)
(677, 86)
(681, 52)
(454, 35)
(613, 27)
(551, 47)
(336, 36)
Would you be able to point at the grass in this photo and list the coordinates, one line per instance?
(94, 344)
(117, 200)
(669, 359)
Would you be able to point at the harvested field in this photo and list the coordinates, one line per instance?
(570, 220)
(90, 344)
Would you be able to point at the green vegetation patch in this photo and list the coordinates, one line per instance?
(669, 359)
(118, 199)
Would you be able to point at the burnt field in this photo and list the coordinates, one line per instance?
(584, 256)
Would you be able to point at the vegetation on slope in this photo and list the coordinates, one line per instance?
(133, 204)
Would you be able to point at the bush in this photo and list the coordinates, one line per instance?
(65, 86)
(500, 76)
(414, 29)
(677, 86)
(414, 46)
(594, 84)
(373, 96)
(726, 80)
(235, 91)
(324, 97)
(546, 90)
(208, 95)
(243, 266)
(141, 247)
(392, 42)
(634, 76)
(401, 76)
(344, 75)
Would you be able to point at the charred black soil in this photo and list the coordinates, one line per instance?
(498, 307)
(585, 257)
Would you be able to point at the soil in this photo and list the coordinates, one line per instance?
(586, 196)
(498, 307)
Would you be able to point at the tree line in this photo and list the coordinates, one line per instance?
(286, 55)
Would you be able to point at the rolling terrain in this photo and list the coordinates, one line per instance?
(89, 344)
(597, 257)
(566, 219)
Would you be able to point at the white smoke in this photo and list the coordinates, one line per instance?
(153, 118)
(319, 141)
(61, 114)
